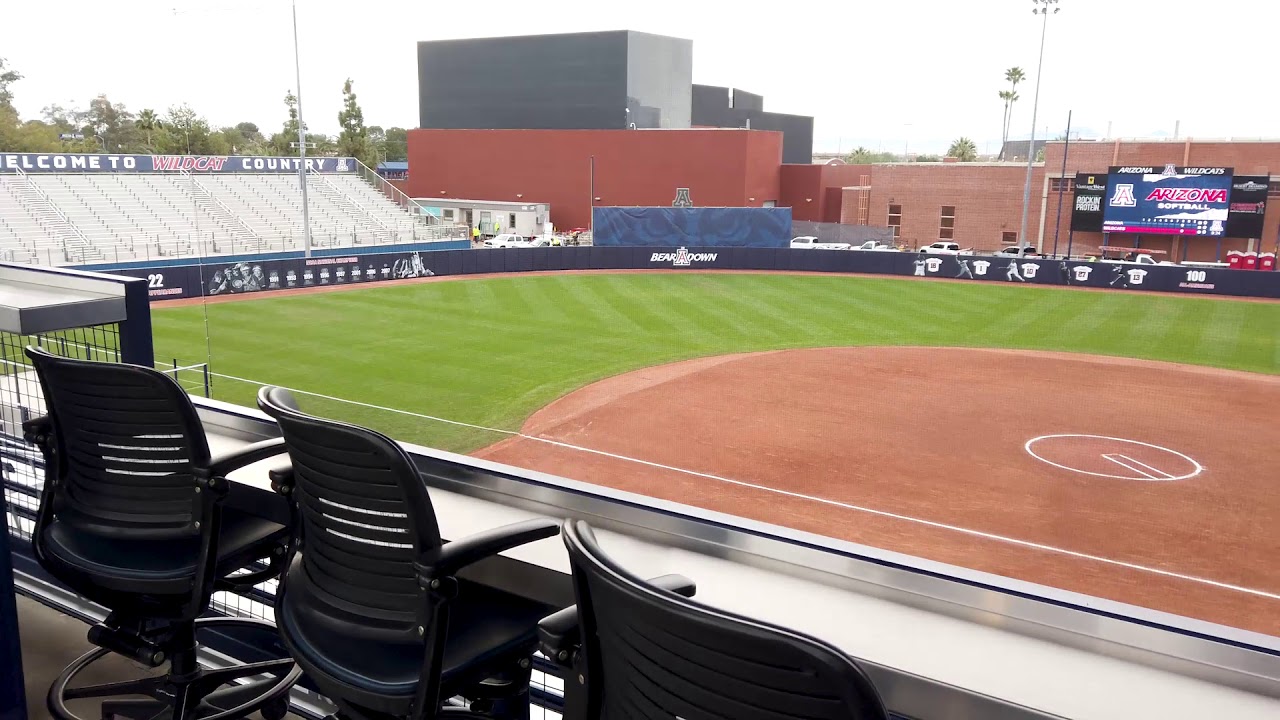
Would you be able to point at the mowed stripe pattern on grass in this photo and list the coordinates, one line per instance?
(490, 352)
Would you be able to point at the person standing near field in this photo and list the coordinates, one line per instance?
(475, 234)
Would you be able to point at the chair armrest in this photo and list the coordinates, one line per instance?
(34, 428)
(281, 476)
(451, 557)
(558, 634)
(222, 465)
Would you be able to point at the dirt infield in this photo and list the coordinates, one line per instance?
(1143, 482)
(288, 292)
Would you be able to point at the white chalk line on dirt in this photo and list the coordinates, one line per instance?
(1120, 460)
(802, 496)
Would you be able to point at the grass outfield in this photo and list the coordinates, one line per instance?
(490, 352)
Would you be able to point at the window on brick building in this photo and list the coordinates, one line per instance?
(895, 220)
(1273, 190)
(1009, 238)
(947, 223)
(1062, 184)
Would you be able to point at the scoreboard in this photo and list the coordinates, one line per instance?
(1168, 200)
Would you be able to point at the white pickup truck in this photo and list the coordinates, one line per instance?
(873, 246)
(944, 248)
(1137, 259)
(809, 242)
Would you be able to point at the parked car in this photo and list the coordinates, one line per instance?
(809, 242)
(535, 241)
(874, 246)
(944, 248)
(1138, 259)
(1016, 251)
(505, 240)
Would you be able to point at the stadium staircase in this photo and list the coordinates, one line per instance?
(34, 215)
(70, 218)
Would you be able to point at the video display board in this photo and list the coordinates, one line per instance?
(1168, 201)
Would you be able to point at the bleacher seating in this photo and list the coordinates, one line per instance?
(68, 218)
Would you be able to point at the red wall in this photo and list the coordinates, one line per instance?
(632, 167)
(813, 191)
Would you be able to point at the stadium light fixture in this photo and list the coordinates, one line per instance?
(1042, 8)
(302, 141)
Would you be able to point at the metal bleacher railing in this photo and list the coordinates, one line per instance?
(68, 218)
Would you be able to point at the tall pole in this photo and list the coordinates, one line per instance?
(591, 205)
(1062, 185)
(302, 142)
(1042, 7)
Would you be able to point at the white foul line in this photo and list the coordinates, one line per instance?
(1112, 457)
(810, 498)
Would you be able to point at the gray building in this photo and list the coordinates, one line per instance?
(715, 106)
(576, 81)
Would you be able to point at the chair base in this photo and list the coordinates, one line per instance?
(200, 694)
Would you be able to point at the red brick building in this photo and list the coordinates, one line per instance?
(978, 205)
(725, 168)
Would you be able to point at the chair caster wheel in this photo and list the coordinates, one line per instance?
(276, 709)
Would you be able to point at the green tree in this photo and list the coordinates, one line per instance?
(7, 78)
(148, 122)
(863, 156)
(112, 123)
(354, 138)
(1013, 76)
(280, 142)
(396, 144)
(963, 149)
(928, 158)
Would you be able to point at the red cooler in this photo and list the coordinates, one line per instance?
(1250, 261)
(1235, 259)
(1267, 261)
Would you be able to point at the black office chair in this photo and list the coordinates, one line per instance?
(132, 517)
(641, 651)
(371, 606)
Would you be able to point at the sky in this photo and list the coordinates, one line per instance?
(894, 76)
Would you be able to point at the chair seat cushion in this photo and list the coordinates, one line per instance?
(484, 625)
(148, 566)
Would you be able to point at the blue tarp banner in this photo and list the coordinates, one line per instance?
(65, 162)
(690, 227)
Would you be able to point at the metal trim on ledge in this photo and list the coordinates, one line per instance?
(1205, 651)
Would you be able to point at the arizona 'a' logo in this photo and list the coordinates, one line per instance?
(1169, 171)
(682, 198)
(1124, 197)
(682, 258)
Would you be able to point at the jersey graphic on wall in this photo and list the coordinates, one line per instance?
(933, 264)
(1030, 269)
(981, 267)
(1081, 273)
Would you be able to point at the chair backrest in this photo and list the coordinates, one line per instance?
(366, 517)
(127, 439)
(652, 654)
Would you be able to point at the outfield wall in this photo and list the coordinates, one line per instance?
(261, 275)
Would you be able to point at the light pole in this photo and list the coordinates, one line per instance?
(1042, 7)
(302, 141)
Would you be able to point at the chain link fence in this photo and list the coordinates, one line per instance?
(835, 232)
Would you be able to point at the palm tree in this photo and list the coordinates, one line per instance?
(963, 149)
(148, 121)
(1013, 75)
